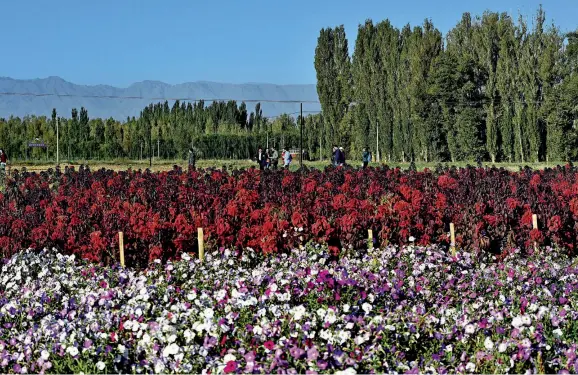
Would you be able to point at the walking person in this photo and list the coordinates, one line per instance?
(274, 158)
(287, 158)
(335, 156)
(261, 159)
(192, 159)
(342, 155)
(366, 157)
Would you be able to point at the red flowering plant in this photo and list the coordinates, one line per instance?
(82, 211)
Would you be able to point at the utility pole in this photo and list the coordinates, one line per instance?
(158, 148)
(150, 144)
(301, 139)
(57, 142)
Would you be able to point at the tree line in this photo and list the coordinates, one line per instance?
(220, 130)
(493, 88)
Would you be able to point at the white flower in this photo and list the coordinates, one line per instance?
(488, 343)
(72, 350)
(448, 349)
(343, 336)
(411, 238)
(502, 347)
(208, 313)
(228, 358)
(100, 365)
(348, 371)
(366, 307)
(526, 320)
(121, 348)
(298, 312)
(517, 322)
(470, 329)
(172, 349)
(471, 367)
(258, 330)
(346, 308)
(44, 355)
(330, 317)
(557, 332)
(172, 338)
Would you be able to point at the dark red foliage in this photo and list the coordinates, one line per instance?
(82, 212)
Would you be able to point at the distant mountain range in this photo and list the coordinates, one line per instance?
(89, 97)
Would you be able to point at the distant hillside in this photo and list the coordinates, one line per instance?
(21, 105)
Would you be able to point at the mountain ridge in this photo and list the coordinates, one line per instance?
(43, 96)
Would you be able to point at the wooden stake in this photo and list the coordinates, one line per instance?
(535, 225)
(453, 239)
(370, 238)
(121, 247)
(201, 244)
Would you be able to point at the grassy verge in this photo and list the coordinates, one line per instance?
(164, 164)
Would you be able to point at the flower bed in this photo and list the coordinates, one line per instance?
(82, 212)
(391, 310)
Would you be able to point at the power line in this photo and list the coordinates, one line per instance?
(463, 102)
(157, 98)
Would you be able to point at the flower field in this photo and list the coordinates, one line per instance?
(289, 283)
(387, 310)
(81, 212)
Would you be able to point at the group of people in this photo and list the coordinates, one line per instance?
(269, 159)
(338, 157)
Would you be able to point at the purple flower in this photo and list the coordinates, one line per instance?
(296, 352)
(312, 354)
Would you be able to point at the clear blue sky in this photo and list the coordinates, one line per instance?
(119, 42)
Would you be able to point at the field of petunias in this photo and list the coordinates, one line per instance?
(81, 212)
(389, 310)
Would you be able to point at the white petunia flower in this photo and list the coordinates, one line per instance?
(517, 322)
(100, 365)
(367, 307)
(488, 343)
(172, 349)
(502, 347)
(72, 350)
(470, 329)
(348, 371)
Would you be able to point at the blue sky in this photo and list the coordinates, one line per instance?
(119, 42)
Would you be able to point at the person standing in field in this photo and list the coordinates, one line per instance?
(261, 158)
(335, 156)
(287, 158)
(192, 159)
(342, 156)
(3, 160)
(274, 157)
(366, 157)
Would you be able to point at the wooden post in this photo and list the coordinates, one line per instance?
(201, 244)
(121, 247)
(535, 225)
(452, 239)
(370, 238)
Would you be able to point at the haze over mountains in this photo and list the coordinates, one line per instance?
(153, 91)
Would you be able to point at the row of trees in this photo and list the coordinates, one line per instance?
(220, 130)
(492, 88)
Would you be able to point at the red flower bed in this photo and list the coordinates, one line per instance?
(82, 211)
